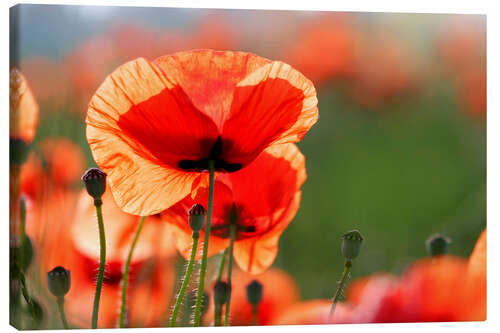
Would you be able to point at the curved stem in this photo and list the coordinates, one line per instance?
(340, 287)
(102, 263)
(232, 232)
(185, 282)
(123, 309)
(60, 305)
(203, 268)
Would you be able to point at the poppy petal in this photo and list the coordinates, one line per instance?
(141, 177)
(256, 254)
(209, 77)
(274, 104)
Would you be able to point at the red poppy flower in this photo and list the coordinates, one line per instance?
(279, 291)
(312, 312)
(444, 288)
(63, 162)
(152, 126)
(324, 49)
(23, 115)
(262, 209)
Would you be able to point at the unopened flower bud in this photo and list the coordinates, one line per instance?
(254, 292)
(59, 281)
(196, 217)
(222, 291)
(437, 244)
(95, 182)
(351, 244)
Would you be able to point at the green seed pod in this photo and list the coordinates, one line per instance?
(222, 291)
(95, 182)
(254, 292)
(196, 217)
(351, 244)
(437, 244)
(59, 281)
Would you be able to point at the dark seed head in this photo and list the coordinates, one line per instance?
(196, 217)
(437, 244)
(59, 281)
(351, 244)
(222, 290)
(95, 182)
(254, 292)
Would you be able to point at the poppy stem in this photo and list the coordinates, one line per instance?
(102, 262)
(218, 310)
(222, 265)
(185, 281)
(340, 287)
(60, 305)
(232, 232)
(203, 268)
(255, 314)
(123, 309)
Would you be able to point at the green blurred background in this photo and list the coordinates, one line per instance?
(399, 170)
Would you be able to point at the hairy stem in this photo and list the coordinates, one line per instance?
(203, 268)
(340, 287)
(185, 281)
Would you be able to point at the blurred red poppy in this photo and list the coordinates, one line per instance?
(443, 288)
(23, 112)
(262, 209)
(324, 48)
(153, 126)
(279, 291)
(312, 312)
(58, 163)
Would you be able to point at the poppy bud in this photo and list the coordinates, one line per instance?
(196, 217)
(437, 244)
(351, 244)
(254, 292)
(59, 281)
(221, 293)
(95, 182)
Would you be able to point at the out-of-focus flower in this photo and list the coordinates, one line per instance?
(443, 288)
(462, 47)
(153, 126)
(312, 312)
(262, 210)
(69, 237)
(87, 65)
(324, 48)
(214, 31)
(58, 164)
(131, 41)
(49, 82)
(279, 291)
(23, 111)
(383, 70)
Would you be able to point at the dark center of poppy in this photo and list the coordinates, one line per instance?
(233, 218)
(215, 155)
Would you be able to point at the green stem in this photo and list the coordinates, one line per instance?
(217, 315)
(126, 270)
(222, 265)
(255, 315)
(203, 268)
(232, 233)
(102, 262)
(340, 287)
(60, 305)
(185, 282)
(218, 310)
